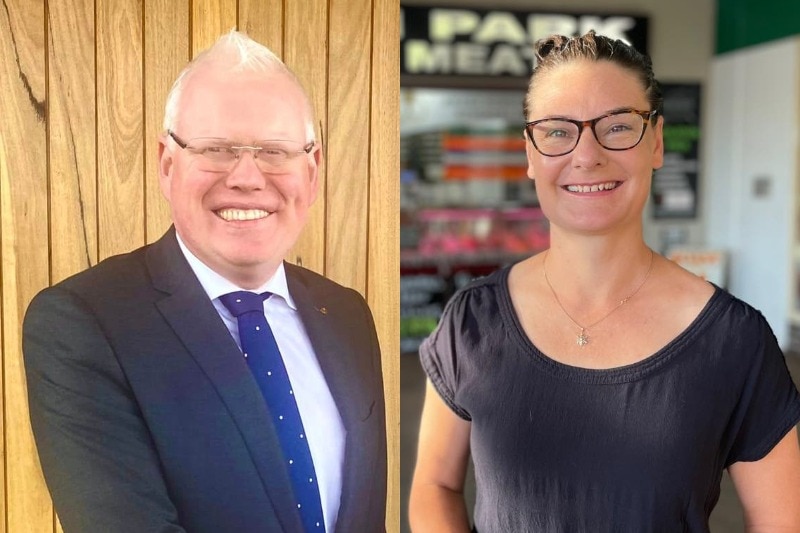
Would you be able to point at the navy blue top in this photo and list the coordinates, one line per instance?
(642, 447)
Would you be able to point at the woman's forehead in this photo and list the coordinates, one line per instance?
(585, 86)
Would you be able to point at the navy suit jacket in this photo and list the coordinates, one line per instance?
(147, 418)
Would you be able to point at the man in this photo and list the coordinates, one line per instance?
(147, 411)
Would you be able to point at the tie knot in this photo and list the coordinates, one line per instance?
(241, 302)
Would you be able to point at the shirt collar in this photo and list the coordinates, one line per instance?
(216, 285)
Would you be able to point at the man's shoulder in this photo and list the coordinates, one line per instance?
(128, 273)
(111, 289)
(316, 283)
(116, 271)
(116, 285)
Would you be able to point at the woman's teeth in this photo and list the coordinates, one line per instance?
(593, 188)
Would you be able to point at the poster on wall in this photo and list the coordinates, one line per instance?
(485, 48)
(674, 189)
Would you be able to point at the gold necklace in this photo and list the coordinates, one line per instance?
(583, 338)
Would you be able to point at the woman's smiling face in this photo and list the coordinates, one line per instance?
(592, 190)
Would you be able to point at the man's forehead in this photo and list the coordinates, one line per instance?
(218, 77)
(213, 91)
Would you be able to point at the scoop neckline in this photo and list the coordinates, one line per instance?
(620, 374)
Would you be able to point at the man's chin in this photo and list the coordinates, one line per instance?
(252, 261)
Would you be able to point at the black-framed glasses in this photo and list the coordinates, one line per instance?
(620, 130)
(221, 155)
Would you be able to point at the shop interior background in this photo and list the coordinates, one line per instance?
(725, 205)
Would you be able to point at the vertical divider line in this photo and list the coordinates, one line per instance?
(283, 31)
(47, 115)
(369, 142)
(47, 141)
(98, 206)
(47, 165)
(48, 179)
(143, 37)
(191, 30)
(326, 110)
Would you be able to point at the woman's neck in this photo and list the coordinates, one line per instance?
(594, 270)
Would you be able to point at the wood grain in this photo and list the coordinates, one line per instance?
(166, 53)
(383, 273)
(305, 48)
(23, 245)
(120, 125)
(348, 143)
(73, 171)
(72, 155)
(262, 20)
(210, 19)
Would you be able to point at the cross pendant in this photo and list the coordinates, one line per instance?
(583, 339)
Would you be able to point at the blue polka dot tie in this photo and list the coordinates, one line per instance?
(265, 361)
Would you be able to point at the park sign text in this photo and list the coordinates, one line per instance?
(488, 43)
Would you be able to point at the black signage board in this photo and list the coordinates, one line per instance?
(674, 189)
(483, 48)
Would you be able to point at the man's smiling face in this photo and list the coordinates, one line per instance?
(241, 222)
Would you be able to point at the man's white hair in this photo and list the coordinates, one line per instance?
(238, 52)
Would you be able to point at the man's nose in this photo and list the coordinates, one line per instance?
(246, 173)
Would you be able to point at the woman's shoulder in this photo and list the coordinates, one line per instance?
(494, 283)
(480, 298)
(691, 294)
(681, 286)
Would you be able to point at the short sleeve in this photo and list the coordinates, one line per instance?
(439, 355)
(769, 405)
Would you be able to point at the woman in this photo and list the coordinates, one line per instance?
(598, 386)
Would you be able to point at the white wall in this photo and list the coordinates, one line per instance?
(752, 135)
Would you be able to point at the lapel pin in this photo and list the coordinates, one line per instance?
(323, 310)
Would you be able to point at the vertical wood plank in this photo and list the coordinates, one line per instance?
(348, 142)
(262, 20)
(210, 19)
(73, 168)
(119, 127)
(305, 47)
(73, 172)
(23, 245)
(166, 46)
(383, 274)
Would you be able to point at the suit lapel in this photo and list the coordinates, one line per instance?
(332, 349)
(339, 363)
(193, 318)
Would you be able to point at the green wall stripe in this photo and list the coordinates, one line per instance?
(742, 23)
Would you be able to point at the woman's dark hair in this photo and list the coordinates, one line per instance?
(558, 50)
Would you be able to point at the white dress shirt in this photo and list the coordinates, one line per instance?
(321, 419)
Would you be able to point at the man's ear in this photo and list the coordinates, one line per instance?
(165, 163)
(313, 173)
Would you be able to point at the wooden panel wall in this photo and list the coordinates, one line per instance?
(82, 90)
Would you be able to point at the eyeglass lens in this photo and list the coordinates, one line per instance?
(615, 132)
(215, 156)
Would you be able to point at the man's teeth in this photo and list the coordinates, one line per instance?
(593, 188)
(242, 214)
